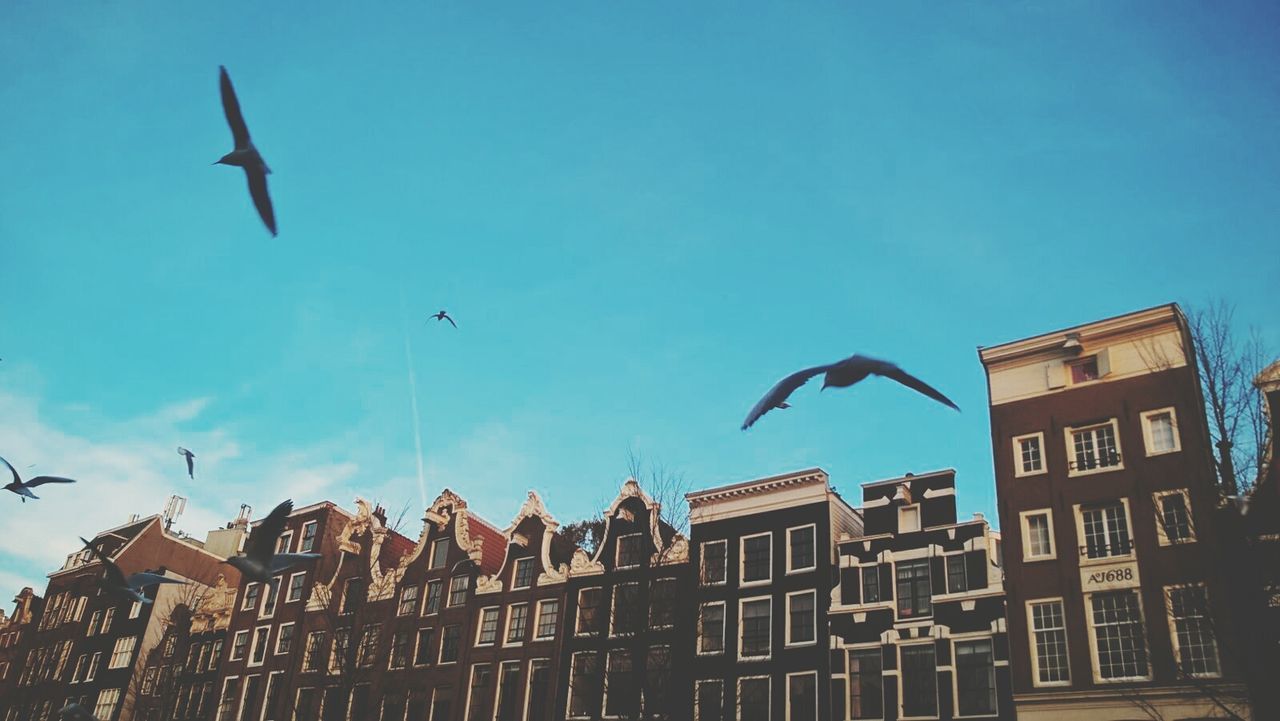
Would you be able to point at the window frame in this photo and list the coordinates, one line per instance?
(672, 604)
(788, 642)
(466, 586)
(288, 597)
(457, 651)
(253, 645)
(128, 652)
(624, 652)
(577, 612)
(1018, 471)
(1082, 550)
(1024, 522)
(742, 602)
(1031, 638)
(937, 704)
(431, 557)
(471, 685)
(417, 643)
(528, 685)
(1148, 439)
(898, 595)
(786, 701)
(617, 551)
(480, 622)
(1162, 534)
(1092, 636)
(400, 610)
(284, 544)
(613, 611)
(515, 573)
(742, 561)
(737, 697)
(426, 597)
(593, 657)
(697, 696)
(1069, 439)
(702, 563)
(902, 512)
(275, 648)
(724, 610)
(306, 545)
(803, 569)
(506, 627)
(242, 648)
(252, 595)
(955, 676)
(849, 652)
(537, 620)
(1167, 591)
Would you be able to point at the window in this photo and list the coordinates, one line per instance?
(548, 619)
(708, 702)
(258, 650)
(802, 619)
(802, 696)
(1119, 644)
(800, 549)
(756, 558)
(621, 690)
(657, 681)
(1028, 455)
(714, 554)
(583, 672)
(239, 644)
(866, 684)
(94, 621)
(630, 551)
(975, 678)
(435, 591)
(1084, 370)
(919, 681)
(539, 688)
(297, 582)
(487, 629)
(284, 542)
(508, 692)
(1037, 536)
(1160, 430)
(1093, 449)
(753, 699)
(94, 661)
(449, 639)
(517, 623)
(588, 620)
(284, 639)
(422, 648)
(439, 554)
(351, 592)
(1193, 638)
(307, 705)
(1173, 516)
(123, 652)
(148, 680)
(399, 657)
(170, 645)
(272, 697)
(662, 603)
(308, 537)
(408, 601)
(230, 692)
(1049, 630)
(273, 595)
(478, 692)
(957, 582)
(628, 614)
(314, 651)
(135, 609)
(107, 618)
(755, 622)
(82, 665)
(215, 656)
(711, 627)
(458, 590)
(106, 705)
(1106, 531)
(522, 576)
(871, 584)
(338, 654)
(252, 593)
(913, 589)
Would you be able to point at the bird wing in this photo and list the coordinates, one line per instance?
(281, 561)
(891, 371)
(139, 581)
(261, 199)
(262, 539)
(14, 471)
(455, 325)
(231, 106)
(113, 571)
(75, 712)
(780, 392)
(41, 480)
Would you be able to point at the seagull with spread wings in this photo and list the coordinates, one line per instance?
(75, 712)
(442, 316)
(191, 461)
(113, 580)
(245, 155)
(23, 489)
(840, 374)
(260, 562)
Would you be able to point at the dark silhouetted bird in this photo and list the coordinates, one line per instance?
(75, 712)
(840, 374)
(260, 562)
(443, 316)
(24, 489)
(191, 461)
(115, 583)
(245, 155)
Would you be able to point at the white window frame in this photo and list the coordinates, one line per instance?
(800, 644)
(245, 604)
(537, 618)
(417, 601)
(303, 536)
(98, 703)
(724, 623)
(1031, 639)
(573, 669)
(266, 596)
(231, 655)
(292, 576)
(955, 676)
(275, 648)
(902, 512)
(1093, 638)
(805, 569)
(617, 551)
(1173, 629)
(1162, 535)
(135, 610)
(577, 610)
(440, 651)
(116, 650)
(515, 573)
(266, 694)
(937, 702)
(253, 646)
(432, 556)
(1025, 523)
(94, 662)
(448, 599)
(673, 601)
(471, 680)
(742, 602)
(426, 595)
(287, 545)
(613, 607)
(1070, 448)
(217, 709)
(737, 696)
(742, 561)
(417, 641)
(697, 695)
(506, 627)
(1084, 559)
(528, 687)
(1148, 440)
(497, 612)
(786, 701)
(604, 690)
(1018, 472)
(702, 563)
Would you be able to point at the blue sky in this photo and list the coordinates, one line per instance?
(641, 216)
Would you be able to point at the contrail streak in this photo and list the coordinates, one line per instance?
(413, 401)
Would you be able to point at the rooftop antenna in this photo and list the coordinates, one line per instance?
(246, 511)
(173, 509)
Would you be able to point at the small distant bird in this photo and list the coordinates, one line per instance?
(114, 582)
(840, 374)
(191, 461)
(245, 155)
(24, 489)
(75, 712)
(260, 562)
(442, 316)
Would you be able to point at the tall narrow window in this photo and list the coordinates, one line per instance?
(522, 576)
(1029, 454)
(458, 590)
(284, 639)
(956, 579)
(1106, 531)
(914, 594)
(408, 601)
(1194, 641)
(657, 682)
(297, 584)
(508, 692)
(439, 554)
(662, 603)
(106, 705)
(709, 701)
(399, 650)
(802, 696)
(630, 550)
(487, 629)
(628, 609)
(258, 652)
(800, 549)
(1050, 630)
(1118, 639)
(548, 619)
(713, 562)
(252, 593)
(352, 592)
(866, 684)
(308, 537)
(870, 584)
(1037, 536)
(1174, 518)
(1093, 448)
(239, 644)
(123, 652)
(919, 681)
(450, 637)
(711, 628)
(753, 699)
(478, 692)
(584, 682)
(975, 678)
(339, 655)
(589, 618)
(422, 647)
(621, 690)
(1161, 431)
(273, 595)
(535, 705)
(755, 622)
(801, 618)
(314, 651)
(517, 622)
(756, 559)
(435, 593)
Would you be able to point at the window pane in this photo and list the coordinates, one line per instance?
(478, 693)
(755, 627)
(1118, 635)
(802, 697)
(620, 687)
(509, 692)
(1106, 531)
(919, 681)
(439, 554)
(955, 574)
(628, 609)
(1162, 432)
(662, 603)
(753, 699)
(711, 629)
(1039, 542)
(914, 593)
(488, 626)
(1029, 452)
(1174, 518)
(589, 617)
(802, 548)
(755, 558)
(802, 618)
(517, 623)
(710, 701)
(1197, 648)
(630, 550)
(539, 690)
(866, 685)
(1051, 642)
(548, 618)
(871, 584)
(713, 562)
(435, 591)
(975, 677)
(583, 684)
(523, 577)
(422, 647)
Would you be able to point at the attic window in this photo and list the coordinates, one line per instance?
(908, 519)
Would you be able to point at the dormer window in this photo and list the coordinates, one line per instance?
(908, 519)
(629, 550)
(522, 575)
(1084, 370)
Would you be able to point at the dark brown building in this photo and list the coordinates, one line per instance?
(1106, 496)
(27, 611)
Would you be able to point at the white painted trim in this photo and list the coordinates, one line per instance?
(440, 651)
(1031, 641)
(217, 715)
(426, 594)
(742, 602)
(617, 551)
(573, 669)
(275, 648)
(417, 641)
(724, 622)
(702, 562)
(471, 680)
(287, 539)
(1018, 472)
(1025, 525)
(742, 561)
(804, 569)
(1148, 440)
(1082, 548)
(1071, 453)
(497, 684)
(431, 554)
(448, 598)
(266, 694)
(537, 620)
(786, 707)
(737, 701)
(480, 625)
(955, 676)
(506, 627)
(799, 644)
(231, 654)
(577, 610)
(304, 587)
(515, 573)
(1162, 535)
(528, 687)
(697, 695)
(901, 681)
(245, 604)
(1173, 629)
(303, 535)
(1093, 638)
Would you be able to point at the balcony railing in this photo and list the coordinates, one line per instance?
(1106, 460)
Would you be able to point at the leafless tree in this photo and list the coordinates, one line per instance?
(156, 685)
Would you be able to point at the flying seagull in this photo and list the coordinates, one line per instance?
(191, 461)
(443, 316)
(114, 582)
(840, 374)
(75, 712)
(260, 562)
(245, 155)
(24, 489)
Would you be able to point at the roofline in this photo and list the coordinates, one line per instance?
(758, 485)
(1053, 339)
(153, 518)
(912, 477)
